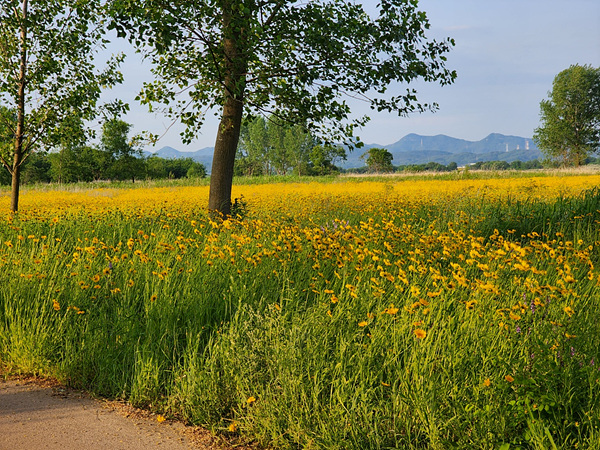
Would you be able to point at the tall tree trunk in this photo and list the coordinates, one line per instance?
(18, 147)
(14, 193)
(228, 134)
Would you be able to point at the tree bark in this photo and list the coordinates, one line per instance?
(221, 177)
(228, 134)
(18, 147)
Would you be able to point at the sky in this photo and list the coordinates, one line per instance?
(506, 56)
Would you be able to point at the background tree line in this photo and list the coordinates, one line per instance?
(452, 166)
(114, 157)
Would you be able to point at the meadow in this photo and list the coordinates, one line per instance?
(409, 313)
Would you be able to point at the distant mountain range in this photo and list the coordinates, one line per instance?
(417, 149)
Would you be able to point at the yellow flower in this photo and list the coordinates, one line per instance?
(232, 427)
(153, 298)
(364, 323)
(487, 382)
(391, 310)
(568, 310)
(160, 418)
(514, 316)
(509, 378)
(419, 333)
(250, 400)
(414, 290)
(471, 304)
(55, 304)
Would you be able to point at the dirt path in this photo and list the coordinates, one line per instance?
(37, 414)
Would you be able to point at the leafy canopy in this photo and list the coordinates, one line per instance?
(379, 160)
(570, 128)
(301, 60)
(61, 81)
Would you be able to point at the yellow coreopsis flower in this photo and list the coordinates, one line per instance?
(420, 333)
(391, 310)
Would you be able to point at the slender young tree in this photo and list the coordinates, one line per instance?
(47, 74)
(295, 59)
(127, 159)
(254, 147)
(298, 143)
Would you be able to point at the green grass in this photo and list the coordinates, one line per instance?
(259, 346)
(291, 178)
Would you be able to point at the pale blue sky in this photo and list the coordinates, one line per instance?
(507, 53)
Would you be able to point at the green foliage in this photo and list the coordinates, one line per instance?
(115, 158)
(503, 165)
(70, 164)
(570, 129)
(323, 158)
(428, 167)
(48, 79)
(269, 146)
(196, 170)
(379, 160)
(162, 168)
(301, 57)
(125, 160)
(252, 155)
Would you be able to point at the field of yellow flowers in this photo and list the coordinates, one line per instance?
(399, 313)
